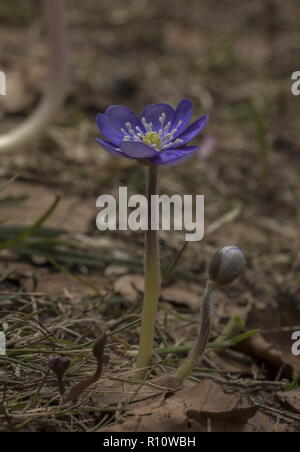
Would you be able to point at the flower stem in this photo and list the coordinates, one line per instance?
(193, 358)
(152, 282)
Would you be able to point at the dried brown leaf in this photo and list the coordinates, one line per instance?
(130, 286)
(189, 408)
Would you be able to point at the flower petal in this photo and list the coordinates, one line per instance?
(191, 132)
(117, 118)
(119, 115)
(152, 113)
(175, 156)
(137, 149)
(184, 112)
(108, 130)
(111, 148)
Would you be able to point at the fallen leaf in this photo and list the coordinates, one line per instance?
(187, 409)
(258, 347)
(131, 286)
(57, 282)
(232, 362)
(274, 345)
(189, 295)
(290, 400)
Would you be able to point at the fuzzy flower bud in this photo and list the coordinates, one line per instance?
(227, 264)
(58, 364)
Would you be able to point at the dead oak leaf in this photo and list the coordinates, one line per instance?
(188, 410)
(290, 400)
(258, 347)
(184, 294)
(274, 345)
(131, 286)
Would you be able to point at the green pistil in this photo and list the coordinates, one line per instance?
(153, 139)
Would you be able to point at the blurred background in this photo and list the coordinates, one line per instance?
(234, 60)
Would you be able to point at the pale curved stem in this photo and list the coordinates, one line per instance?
(196, 353)
(34, 126)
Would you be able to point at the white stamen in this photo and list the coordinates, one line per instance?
(168, 137)
(162, 119)
(130, 133)
(146, 125)
(165, 136)
(167, 126)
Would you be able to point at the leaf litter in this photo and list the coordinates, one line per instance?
(47, 311)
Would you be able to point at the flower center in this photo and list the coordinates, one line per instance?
(153, 139)
(160, 140)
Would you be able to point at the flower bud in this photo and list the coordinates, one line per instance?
(58, 364)
(227, 264)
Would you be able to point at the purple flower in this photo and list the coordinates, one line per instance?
(159, 136)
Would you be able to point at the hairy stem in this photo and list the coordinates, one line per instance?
(193, 358)
(152, 282)
(34, 126)
(98, 351)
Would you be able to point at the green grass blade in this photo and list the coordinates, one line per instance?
(10, 243)
(4, 186)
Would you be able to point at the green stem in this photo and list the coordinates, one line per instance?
(193, 358)
(152, 283)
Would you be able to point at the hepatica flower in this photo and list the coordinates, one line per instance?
(160, 136)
